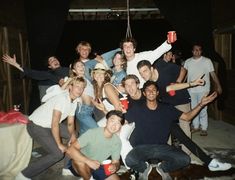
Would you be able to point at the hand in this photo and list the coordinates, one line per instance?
(112, 168)
(99, 58)
(198, 82)
(99, 105)
(73, 138)
(207, 99)
(93, 164)
(10, 60)
(62, 147)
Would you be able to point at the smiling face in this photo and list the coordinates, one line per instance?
(129, 50)
(99, 76)
(76, 89)
(197, 51)
(145, 72)
(53, 63)
(151, 92)
(79, 69)
(84, 52)
(131, 87)
(113, 124)
(118, 60)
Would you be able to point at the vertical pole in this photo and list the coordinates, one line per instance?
(9, 102)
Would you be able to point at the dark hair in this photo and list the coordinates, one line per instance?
(149, 83)
(128, 39)
(130, 76)
(116, 113)
(144, 63)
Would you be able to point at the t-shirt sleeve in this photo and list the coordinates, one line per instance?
(83, 140)
(59, 105)
(131, 114)
(116, 149)
(175, 113)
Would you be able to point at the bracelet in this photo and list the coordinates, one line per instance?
(189, 85)
(200, 105)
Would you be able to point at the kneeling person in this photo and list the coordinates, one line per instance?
(97, 145)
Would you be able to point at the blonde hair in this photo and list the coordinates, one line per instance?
(83, 43)
(98, 90)
(76, 80)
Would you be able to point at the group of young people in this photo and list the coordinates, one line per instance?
(137, 134)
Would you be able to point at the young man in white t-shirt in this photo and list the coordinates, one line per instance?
(198, 65)
(128, 45)
(46, 128)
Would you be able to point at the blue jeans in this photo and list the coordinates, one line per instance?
(171, 157)
(85, 119)
(202, 118)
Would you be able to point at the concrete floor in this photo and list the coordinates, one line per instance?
(219, 143)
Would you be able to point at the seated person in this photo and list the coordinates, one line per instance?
(95, 146)
(153, 122)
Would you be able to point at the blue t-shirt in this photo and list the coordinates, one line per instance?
(168, 73)
(152, 126)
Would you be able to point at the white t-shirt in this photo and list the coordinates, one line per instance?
(146, 55)
(42, 116)
(89, 90)
(196, 68)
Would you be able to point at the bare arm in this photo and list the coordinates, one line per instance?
(114, 166)
(112, 94)
(204, 101)
(71, 129)
(179, 86)
(12, 61)
(56, 130)
(216, 81)
(75, 154)
(182, 75)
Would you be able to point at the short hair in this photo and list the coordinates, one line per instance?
(116, 113)
(128, 39)
(144, 63)
(76, 80)
(83, 43)
(130, 76)
(149, 83)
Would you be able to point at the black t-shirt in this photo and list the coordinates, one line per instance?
(133, 102)
(152, 126)
(168, 73)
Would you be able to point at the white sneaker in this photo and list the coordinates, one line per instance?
(67, 172)
(164, 175)
(20, 176)
(215, 165)
(144, 175)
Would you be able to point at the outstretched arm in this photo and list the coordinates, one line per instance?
(179, 86)
(12, 61)
(204, 101)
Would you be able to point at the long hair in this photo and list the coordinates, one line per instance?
(99, 89)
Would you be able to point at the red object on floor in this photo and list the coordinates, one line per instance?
(12, 117)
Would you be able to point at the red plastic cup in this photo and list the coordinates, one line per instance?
(171, 36)
(124, 102)
(106, 164)
(171, 93)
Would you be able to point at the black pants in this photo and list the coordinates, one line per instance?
(178, 133)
